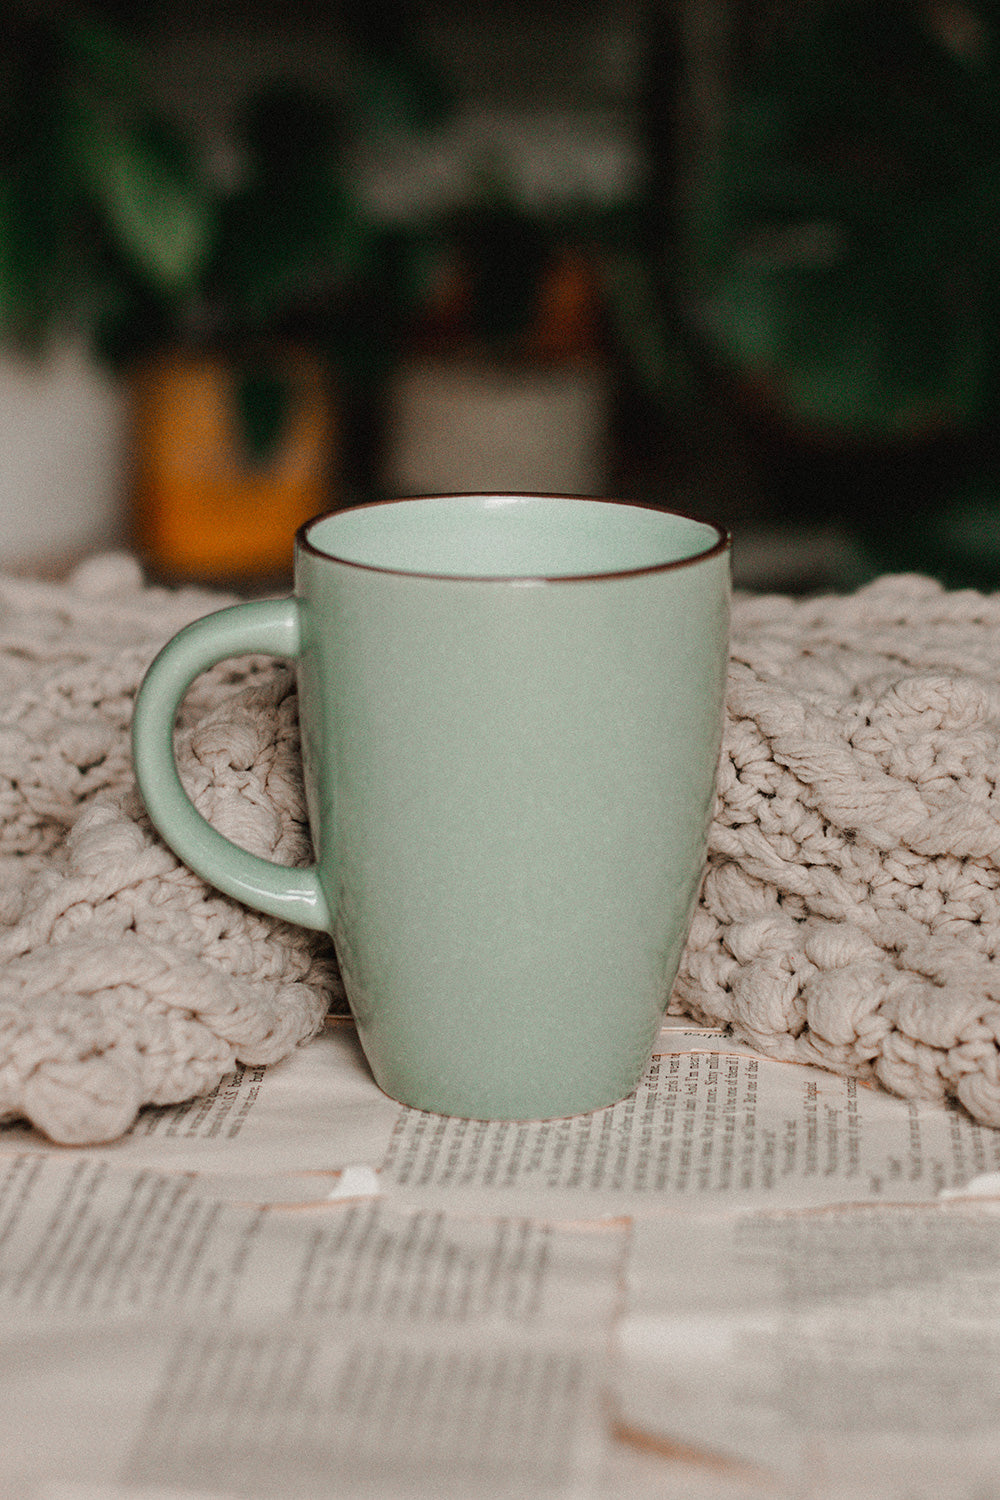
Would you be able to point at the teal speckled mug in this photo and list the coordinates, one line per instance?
(511, 709)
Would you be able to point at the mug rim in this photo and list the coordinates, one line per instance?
(722, 544)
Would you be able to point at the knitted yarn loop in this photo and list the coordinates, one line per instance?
(124, 979)
(850, 914)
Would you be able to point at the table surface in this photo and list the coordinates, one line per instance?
(751, 1278)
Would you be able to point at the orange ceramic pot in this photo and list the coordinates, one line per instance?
(207, 503)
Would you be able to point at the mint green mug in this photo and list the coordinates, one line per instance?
(511, 709)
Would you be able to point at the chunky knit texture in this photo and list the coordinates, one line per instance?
(850, 914)
(124, 979)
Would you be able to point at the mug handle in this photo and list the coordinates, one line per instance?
(269, 627)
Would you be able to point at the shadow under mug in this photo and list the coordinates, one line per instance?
(511, 710)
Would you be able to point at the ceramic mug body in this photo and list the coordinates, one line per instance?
(511, 709)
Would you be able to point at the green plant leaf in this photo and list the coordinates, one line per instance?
(846, 246)
(147, 193)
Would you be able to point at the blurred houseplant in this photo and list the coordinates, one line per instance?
(246, 384)
(840, 258)
(229, 304)
(235, 422)
(97, 192)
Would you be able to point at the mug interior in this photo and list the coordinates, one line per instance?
(510, 536)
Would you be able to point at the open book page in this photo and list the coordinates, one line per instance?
(153, 1337)
(319, 1110)
(711, 1126)
(142, 1412)
(429, 1305)
(828, 1352)
(83, 1241)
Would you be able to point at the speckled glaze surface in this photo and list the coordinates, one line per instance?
(511, 709)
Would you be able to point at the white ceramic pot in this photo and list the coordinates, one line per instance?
(464, 425)
(62, 431)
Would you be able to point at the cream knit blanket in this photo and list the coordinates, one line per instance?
(124, 980)
(850, 914)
